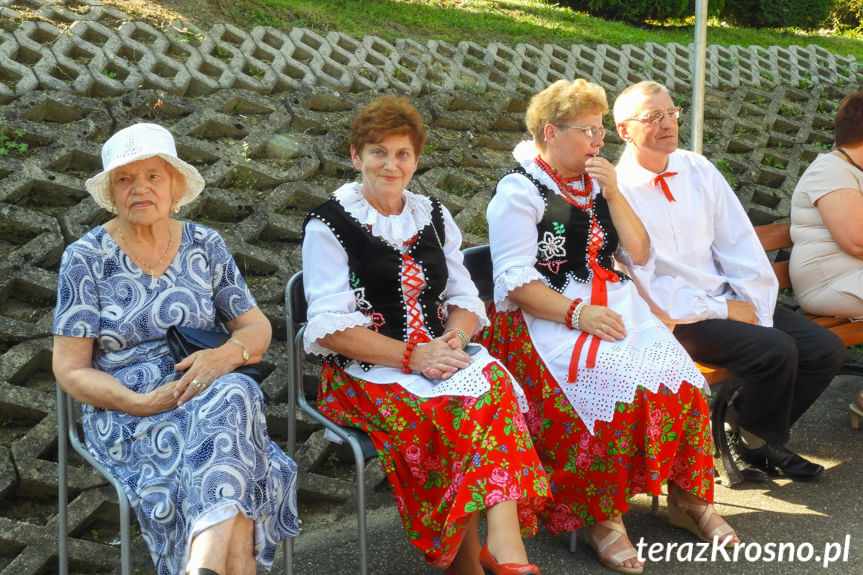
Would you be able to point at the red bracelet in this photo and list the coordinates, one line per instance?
(571, 310)
(406, 360)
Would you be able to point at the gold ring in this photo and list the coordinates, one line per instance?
(197, 384)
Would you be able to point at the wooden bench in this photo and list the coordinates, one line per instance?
(774, 238)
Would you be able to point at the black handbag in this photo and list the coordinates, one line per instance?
(184, 341)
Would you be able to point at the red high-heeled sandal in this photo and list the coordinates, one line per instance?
(490, 565)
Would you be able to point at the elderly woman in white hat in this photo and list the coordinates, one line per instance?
(212, 492)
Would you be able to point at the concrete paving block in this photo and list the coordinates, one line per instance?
(788, 69)
(368, 68)
(560, 60)
(480, 61)
(8, 476)
(36, 38)
(537, 62)
(640, 64)
(148, 48)
(112, 75)
(35, 545)
(16, 78)
(38, 476)
(509, 64)
(89, 516)
(287, 62)
(416, 71)
(673, 64)
(328, 72)
(96, 12)
(345, 62)
(185, 43)
(451, 59)
(250, 72)
(38, 240)
(722, 66)
(77, 220)
(749, 64)
(213, 70)
(14, 321)
(68, 54)
(614, 66)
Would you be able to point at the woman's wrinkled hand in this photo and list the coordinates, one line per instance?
(159, 400)
(202, 368)
(440, 358)
(603, 322)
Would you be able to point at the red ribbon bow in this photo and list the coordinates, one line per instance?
(660, 181)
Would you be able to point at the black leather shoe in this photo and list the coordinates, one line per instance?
(749, 473)
(778, 459)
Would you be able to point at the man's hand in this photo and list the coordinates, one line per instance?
(741, 311)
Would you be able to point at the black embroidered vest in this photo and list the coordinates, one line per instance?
(564, 237)
(375, 272)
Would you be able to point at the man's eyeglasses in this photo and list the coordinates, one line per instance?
(589, 131)
(657, 116)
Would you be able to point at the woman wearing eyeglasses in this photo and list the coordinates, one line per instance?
(616, 404)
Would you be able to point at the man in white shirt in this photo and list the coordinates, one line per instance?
(712, 280)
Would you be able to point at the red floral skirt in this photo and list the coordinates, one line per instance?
(659, 436)
(446, 457)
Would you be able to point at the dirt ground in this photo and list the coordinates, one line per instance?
(199, 13)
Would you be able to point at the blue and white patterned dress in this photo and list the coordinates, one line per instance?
(201, 463)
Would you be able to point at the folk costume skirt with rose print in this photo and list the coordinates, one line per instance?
(657, 436)
(446, 457)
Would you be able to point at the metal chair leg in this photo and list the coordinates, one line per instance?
(62, 489)
(67, 434)
(360, 463)
(289, 556)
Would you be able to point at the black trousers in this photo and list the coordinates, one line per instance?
(784, 368)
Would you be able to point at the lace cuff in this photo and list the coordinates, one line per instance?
(473, 305)
(511, 279)
(330, 322)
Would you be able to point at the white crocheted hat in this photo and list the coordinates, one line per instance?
(139, 142)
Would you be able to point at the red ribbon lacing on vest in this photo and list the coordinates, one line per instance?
(598, 296)
(413, 284)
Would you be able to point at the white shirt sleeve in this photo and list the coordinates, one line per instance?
(673, 299)
(740, 255)
(513, 214)
(332, 305)
(461, 291)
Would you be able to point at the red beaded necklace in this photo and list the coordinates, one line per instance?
(579, 196)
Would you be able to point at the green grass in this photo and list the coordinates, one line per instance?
(506, 21)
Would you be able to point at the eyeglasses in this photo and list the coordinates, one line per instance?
(657, 116)
(589, 131)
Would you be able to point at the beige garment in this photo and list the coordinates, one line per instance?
(826, 279)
